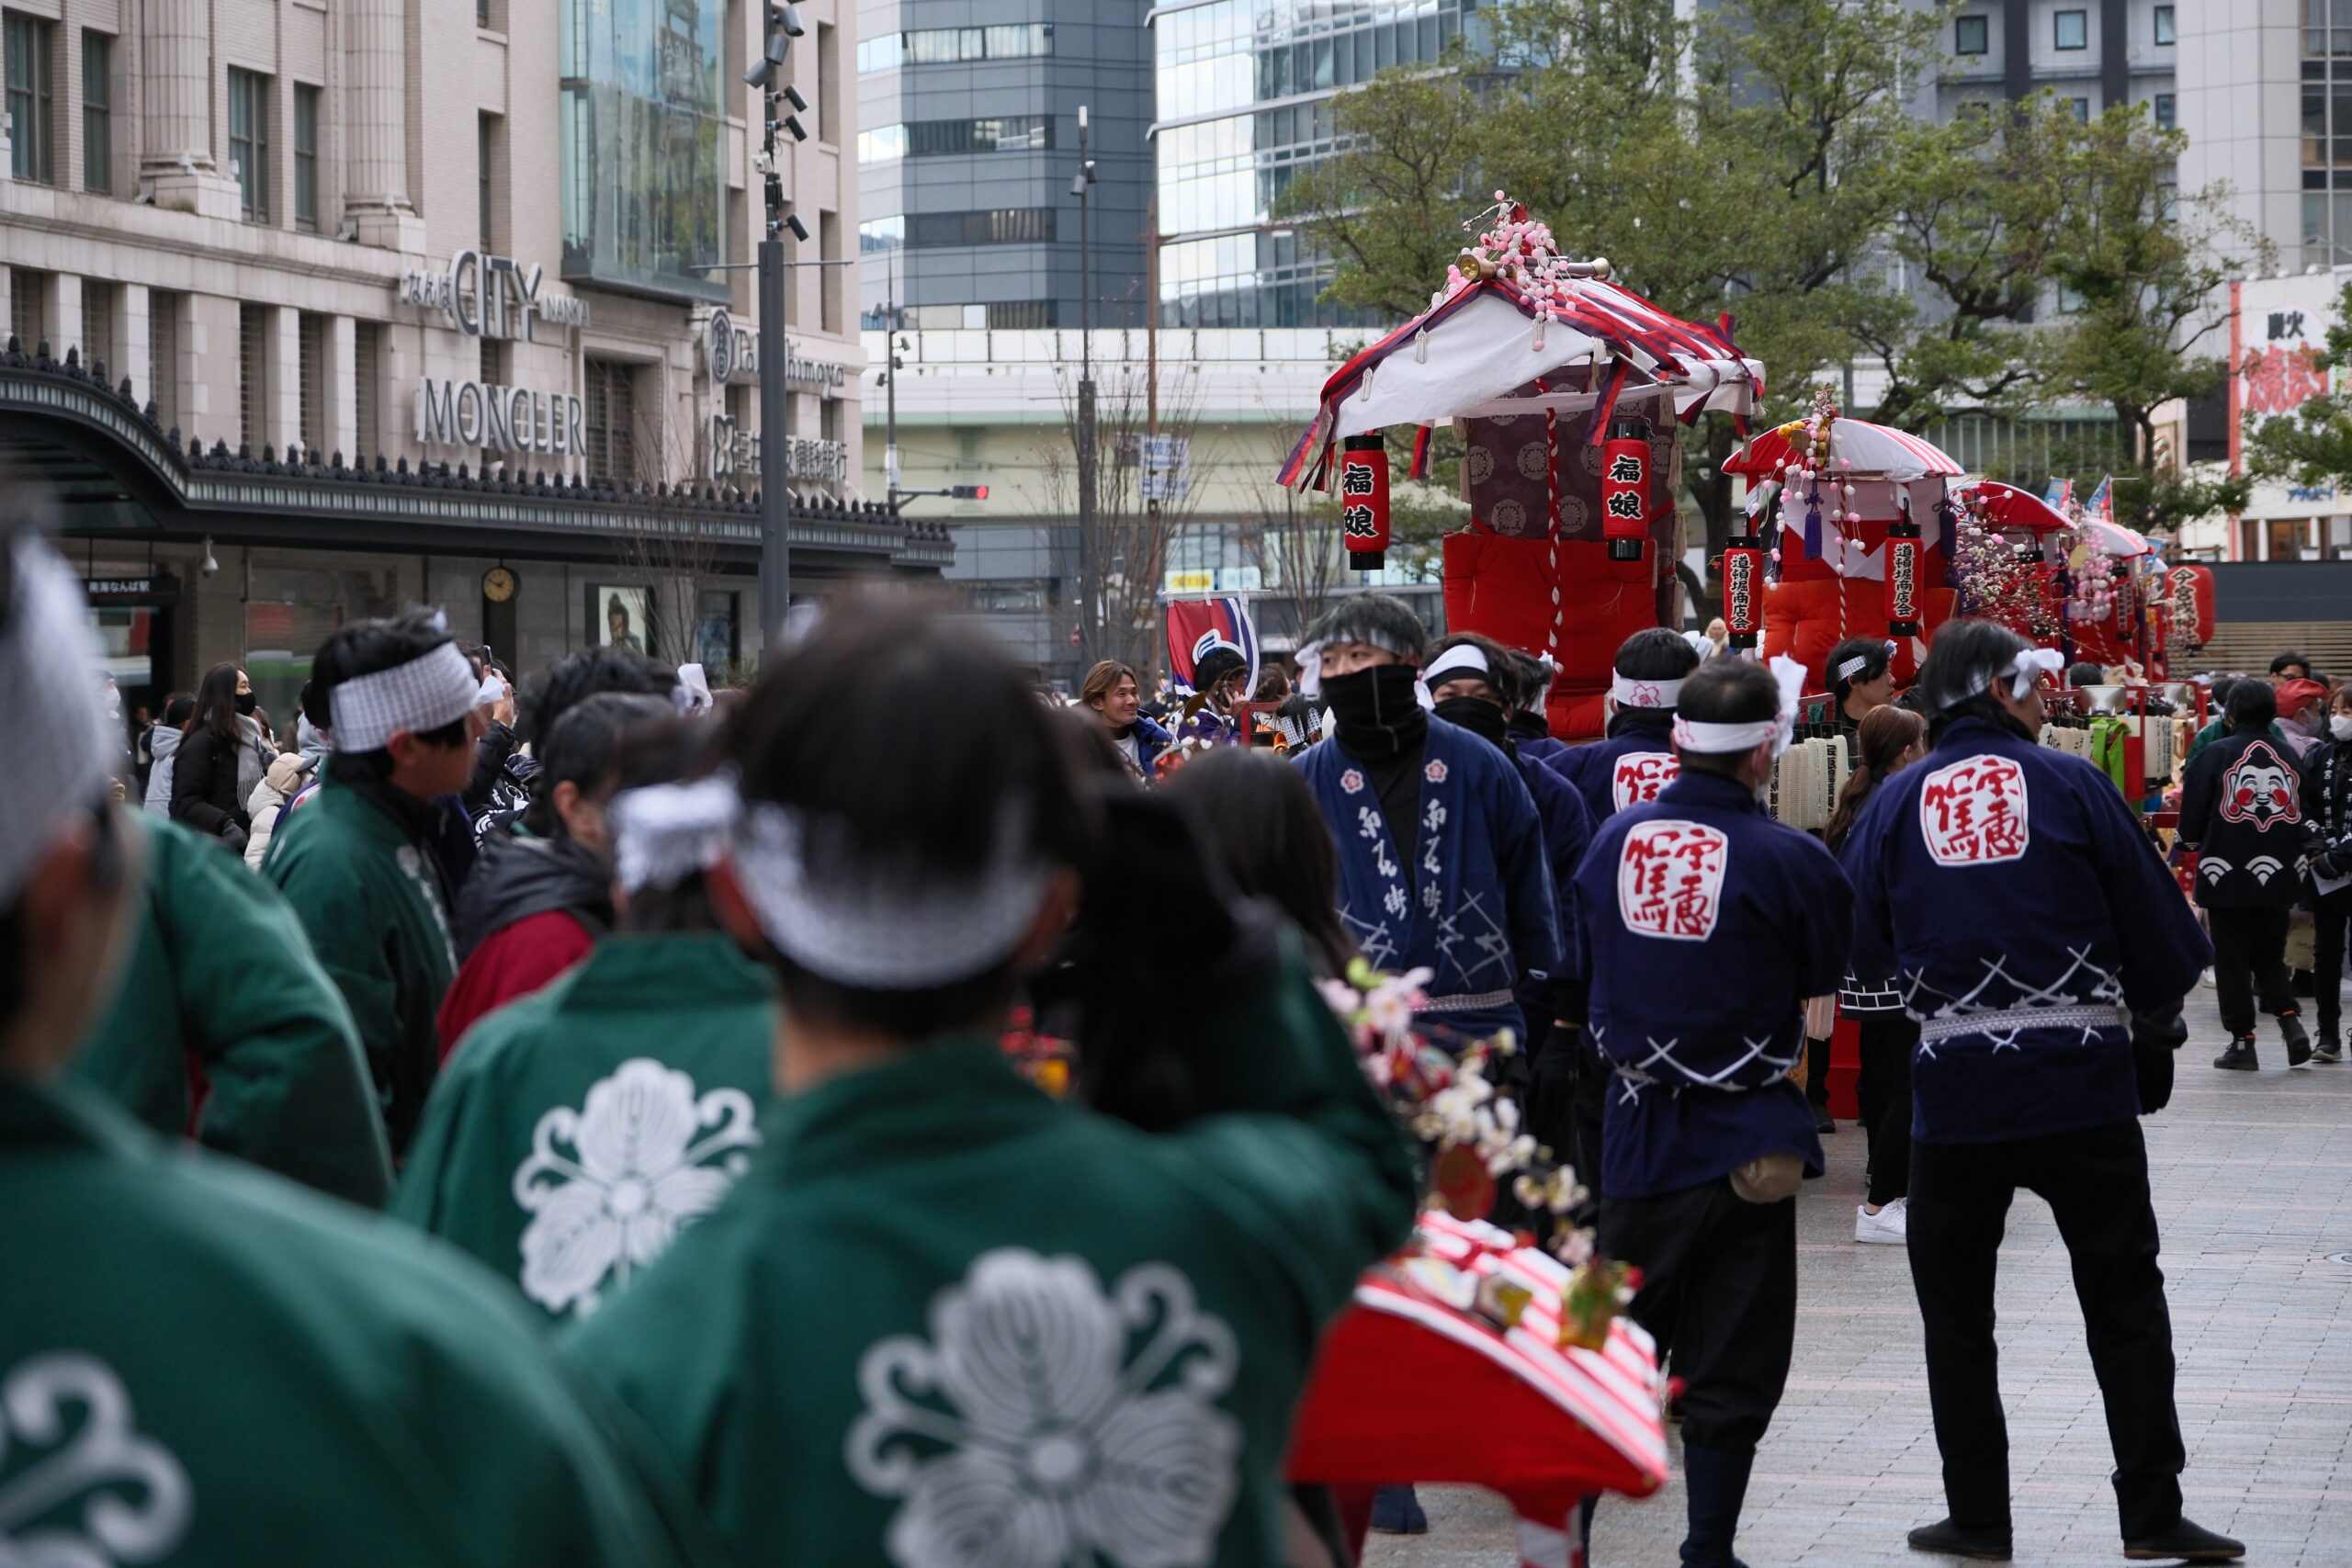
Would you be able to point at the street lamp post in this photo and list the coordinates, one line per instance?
(1080, 187)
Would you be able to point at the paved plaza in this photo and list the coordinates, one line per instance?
(2253, 1176)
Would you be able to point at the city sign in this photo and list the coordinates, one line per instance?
(500, 419)
(491, 297)
(730, 351)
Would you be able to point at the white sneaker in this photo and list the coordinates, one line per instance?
(1888, 1227)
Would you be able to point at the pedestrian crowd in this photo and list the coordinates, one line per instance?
(672, 1195)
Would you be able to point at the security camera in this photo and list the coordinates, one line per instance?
(211, 563)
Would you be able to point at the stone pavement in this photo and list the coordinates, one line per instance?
(2253, 1182)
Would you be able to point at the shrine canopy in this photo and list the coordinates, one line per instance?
(1857, 447)
(2005, 506)
(1537, 333)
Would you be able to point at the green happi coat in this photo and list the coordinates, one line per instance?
(204, 1366)
(219, 969)
(948, 1322)
(368, 894)
(578, 1128)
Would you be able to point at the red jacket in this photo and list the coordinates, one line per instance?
(512, 962)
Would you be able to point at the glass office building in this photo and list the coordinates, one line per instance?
(1244, 99)
(644, 178)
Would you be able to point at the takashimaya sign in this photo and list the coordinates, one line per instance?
(491, 297)
(730, 351)
(735, 454)
(502, 419)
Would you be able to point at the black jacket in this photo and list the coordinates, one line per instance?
(2242, 806)
(204, 790)
(2327, 800)
(517, 877)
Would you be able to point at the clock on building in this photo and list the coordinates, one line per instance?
(498, 585)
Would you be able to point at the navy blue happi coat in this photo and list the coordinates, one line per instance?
(1998, 878)
(1703, 926)
(1627, 769)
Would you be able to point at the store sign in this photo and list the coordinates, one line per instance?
(730, 351)
(491, 297)
(735, 454)
(500, 419)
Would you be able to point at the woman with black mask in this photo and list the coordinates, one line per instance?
(221, 759)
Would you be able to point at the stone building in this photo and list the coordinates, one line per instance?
(421, 302)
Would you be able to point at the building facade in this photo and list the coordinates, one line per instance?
(318, 310)
(2092, 53)
(967, 143)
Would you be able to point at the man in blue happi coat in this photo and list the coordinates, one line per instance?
(1637, 759)
(1441, 856)
(2042, 945)
(1703, 925)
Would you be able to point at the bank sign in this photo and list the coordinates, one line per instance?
(500, 419)
(735, 454)
(730, 351)
(491, 297)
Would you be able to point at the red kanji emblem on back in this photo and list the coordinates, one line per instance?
(1973, 812)
(1639, 776)
(1670, 880)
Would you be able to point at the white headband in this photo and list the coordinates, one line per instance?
(58, 740)
(2021, 672)
(1851, 668)
(429, 691)
(885, 929)
(1706, 737)
(664, 833)
(1460, 656)
(1632, 694)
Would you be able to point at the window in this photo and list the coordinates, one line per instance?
(1000, 226)
(310, 371)
(829, 82)
(1017, 315)
(1971, 35)
(253, 376)
(611, 416)
(485, 161)
(882, 233)
(249, 140)
(2082, 107)
(365, 337)
(2167, 117)
(31, 150)
(941, 46)
(306, 158)
(163, 356)
(97, 326)
(828, 278)
(28, 306)
(2163, 24)
(882, 144)
(97, 112)
(2071, 29)
(1008, 133)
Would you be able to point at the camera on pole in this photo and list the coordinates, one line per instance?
(784, 26)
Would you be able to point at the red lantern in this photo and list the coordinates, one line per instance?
(1743, 590)
(1364, 500)
(1625, 486)
(2190, 588)
(1903, 578)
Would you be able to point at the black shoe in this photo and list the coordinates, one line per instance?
(1954, 1541)
(2329, 1048)
(2298, 1043)
(2239, 1057)
(2185, 1543)
(1396, 1511)
(1823, 1121)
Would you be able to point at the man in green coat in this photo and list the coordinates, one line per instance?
(356, 859)
(581, 1128)
(199, 1365)
(220, 971)
(945, 1320)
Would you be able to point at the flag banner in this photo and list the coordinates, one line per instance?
(1195, 626)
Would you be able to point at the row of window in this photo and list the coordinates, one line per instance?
(2068, 29)
(948, 46)
(932, 138)
(993, 226)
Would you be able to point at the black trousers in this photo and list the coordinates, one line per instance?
(2096, 1182)
(2330, 917)
(1719, 1293)
(1884, 1091)
(2249, 956)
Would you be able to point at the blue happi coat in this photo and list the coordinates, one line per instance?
(1703, 925)
(1476, 907)
(1627, 769)
(1567, 833)
(1998, 875)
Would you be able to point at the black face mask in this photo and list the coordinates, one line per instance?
(1479, 717)
(1375, 711)
(246, 702)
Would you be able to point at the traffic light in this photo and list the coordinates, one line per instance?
(784, 26)
(967, 492)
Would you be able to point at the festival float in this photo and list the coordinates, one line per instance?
(1569, 392)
